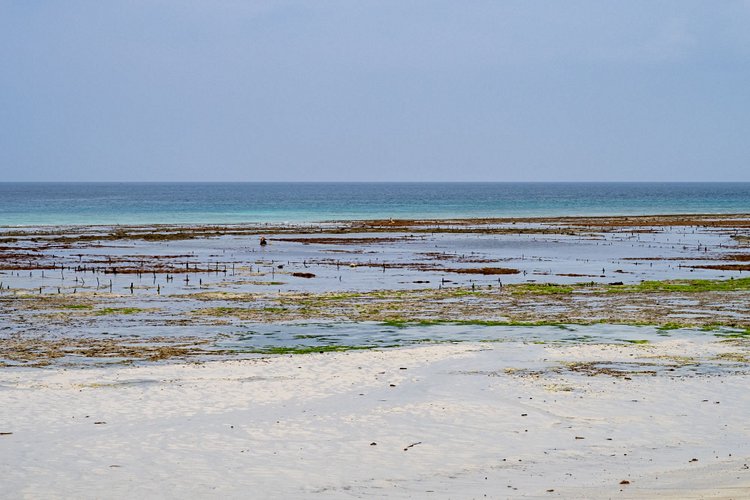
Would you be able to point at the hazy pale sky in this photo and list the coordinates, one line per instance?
(361, 90)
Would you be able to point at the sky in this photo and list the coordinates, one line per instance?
(375, 90)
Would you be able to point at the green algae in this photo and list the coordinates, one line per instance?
(674, 286)
(683, 286)
(564, 325)
(542, 288)
(404, 323)
(118, 310)
(670, 326)
(742, 334)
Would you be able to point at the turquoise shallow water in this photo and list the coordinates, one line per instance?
(29, 204)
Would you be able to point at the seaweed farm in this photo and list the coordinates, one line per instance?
(138, 294)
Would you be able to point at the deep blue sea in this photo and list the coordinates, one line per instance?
(30, 204)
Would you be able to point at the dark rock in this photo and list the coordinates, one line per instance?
(303, 275)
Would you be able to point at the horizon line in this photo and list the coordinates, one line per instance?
(381, 182)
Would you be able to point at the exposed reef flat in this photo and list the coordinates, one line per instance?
(123, 294)
(105, 328)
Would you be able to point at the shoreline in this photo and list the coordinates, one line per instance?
(668, 218)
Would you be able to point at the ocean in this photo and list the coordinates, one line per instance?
(36, 204)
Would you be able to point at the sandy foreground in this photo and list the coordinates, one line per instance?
(439, 421)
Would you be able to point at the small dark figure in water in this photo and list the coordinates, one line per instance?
(263, 241)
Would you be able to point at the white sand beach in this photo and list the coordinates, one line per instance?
(441, 421)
